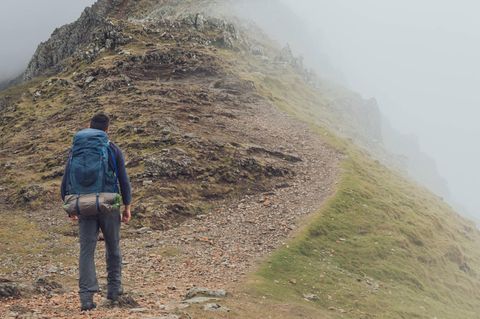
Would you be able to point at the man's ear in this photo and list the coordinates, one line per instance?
(106, 130)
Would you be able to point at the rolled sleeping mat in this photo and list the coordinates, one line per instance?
(92, 204)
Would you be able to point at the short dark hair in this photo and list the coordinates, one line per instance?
(100, 121)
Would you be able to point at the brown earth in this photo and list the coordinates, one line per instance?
(220, 176)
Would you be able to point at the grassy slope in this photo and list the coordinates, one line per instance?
(383, 247)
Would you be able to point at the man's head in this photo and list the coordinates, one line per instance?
(100, 121)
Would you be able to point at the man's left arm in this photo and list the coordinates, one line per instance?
(125, 187)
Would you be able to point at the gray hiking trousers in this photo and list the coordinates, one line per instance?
(109, 223)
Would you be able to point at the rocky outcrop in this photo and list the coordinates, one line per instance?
(95, 32)
(91, 29)
(360, 120)
(4, 103)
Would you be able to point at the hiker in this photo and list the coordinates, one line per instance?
(94, 170)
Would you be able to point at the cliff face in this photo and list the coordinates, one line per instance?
(92, 28)
(94, 31)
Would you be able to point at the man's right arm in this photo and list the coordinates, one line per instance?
(63, 187)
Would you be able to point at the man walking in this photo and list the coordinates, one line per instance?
(105, 179)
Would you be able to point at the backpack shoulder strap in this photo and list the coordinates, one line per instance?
(115, 167)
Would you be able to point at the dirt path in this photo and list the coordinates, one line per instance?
(215, 250)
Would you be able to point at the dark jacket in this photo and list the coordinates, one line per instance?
(123, 180)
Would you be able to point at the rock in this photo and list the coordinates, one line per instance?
(138, 310)
(46, 285)
(147, 182)
(4, 102)
(274, 153)
(143, 230)
(286, 56)
(198, 300)
(234, 86)
(311, 297)
(52, 269)
(257, 51)
(139, 210)
(193, 118)
(215, 307)
(89, 79)
(9, 289)
(91, 28)
(171, 163)
(109, 44)
(204, 292)
(31, 193)
(199, 22)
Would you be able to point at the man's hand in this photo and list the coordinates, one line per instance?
(73, 218)
(127, 214)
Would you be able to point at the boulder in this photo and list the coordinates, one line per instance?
(311, 297)
(204, 292)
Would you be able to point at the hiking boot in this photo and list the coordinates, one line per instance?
(113, 296)
(87, 303)
(88, 306)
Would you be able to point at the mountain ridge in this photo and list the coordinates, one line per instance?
(224, 129)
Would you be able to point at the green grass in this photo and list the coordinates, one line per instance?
(382, 247)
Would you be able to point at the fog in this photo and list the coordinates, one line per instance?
(25, 23)
(420, 59)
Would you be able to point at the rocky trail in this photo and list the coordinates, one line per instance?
(216, 250)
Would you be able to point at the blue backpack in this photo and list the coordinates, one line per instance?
(89, 169)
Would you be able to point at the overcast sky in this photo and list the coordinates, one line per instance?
(25, 23)
(419, 58)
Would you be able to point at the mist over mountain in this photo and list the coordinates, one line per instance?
(418, 61)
